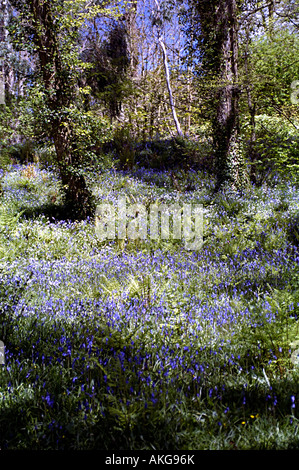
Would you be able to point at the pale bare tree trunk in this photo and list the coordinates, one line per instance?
(189, 106)
(167, 76)
(3, 36)
(132, 34)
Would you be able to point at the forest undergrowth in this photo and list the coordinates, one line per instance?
(142, 344)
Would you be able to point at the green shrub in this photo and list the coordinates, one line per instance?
(124, 148)
(149, 346)
(293, 230)
(275, 150)
(178, 152)
(22, 152)
(45, 155)
(5, 159)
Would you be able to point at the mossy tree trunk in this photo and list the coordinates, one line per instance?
(59, 86)
(229, 159)
(219, 33)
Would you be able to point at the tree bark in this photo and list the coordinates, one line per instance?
(59, 90)
(226, 126)
(252, 110)
(166, 69)
(219, 32)
(132, 36)
(3, 34)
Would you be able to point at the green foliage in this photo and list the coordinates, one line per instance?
(275, 66)
(124, 147)
(293, 230)
(84, 373)
(45, 155)
(178, 152)
(108, 69)
(275, 149)
(53, 108)
(142, 344)
(8, 227)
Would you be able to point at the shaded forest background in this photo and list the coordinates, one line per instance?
(142, 343)
(163, 84)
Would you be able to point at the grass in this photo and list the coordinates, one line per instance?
(142, 344)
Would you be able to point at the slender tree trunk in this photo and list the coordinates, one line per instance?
(132, 33)
(170, 95)
(166, 69)
(77, 195)
(3, 8)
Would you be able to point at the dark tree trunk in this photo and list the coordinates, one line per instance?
(78, 198)
(219, 30)
(59, 89)
(229, 160)
(252, 110)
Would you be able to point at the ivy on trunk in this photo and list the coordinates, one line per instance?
(58, 77)
(218, 25)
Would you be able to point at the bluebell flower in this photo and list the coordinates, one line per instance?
(48, 399)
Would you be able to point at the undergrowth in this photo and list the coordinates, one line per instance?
(143, 344)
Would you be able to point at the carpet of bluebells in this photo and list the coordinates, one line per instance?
(143, 344)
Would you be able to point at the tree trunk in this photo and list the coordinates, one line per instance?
(3, 6)
(229, 159)
(132, 37)
(219, 35)
(166, 69)
(59, 90)
(251, 108)
(78, 198)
